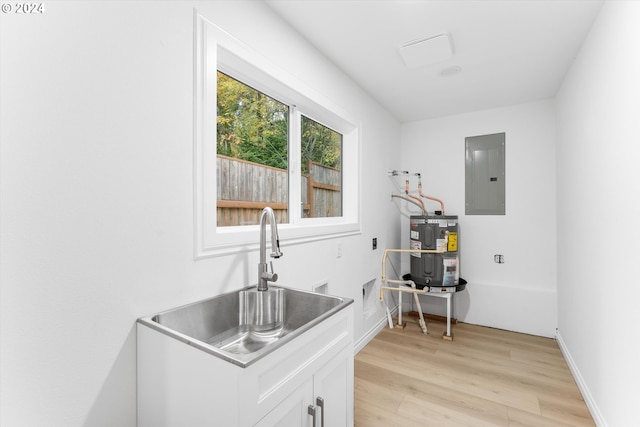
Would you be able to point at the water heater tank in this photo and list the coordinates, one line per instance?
(438, 233)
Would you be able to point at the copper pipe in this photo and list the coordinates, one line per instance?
(406, 191)
(420, 205)
(431, 198)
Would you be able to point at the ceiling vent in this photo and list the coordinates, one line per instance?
(431, 50)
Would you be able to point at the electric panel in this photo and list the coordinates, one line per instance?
(485, 175)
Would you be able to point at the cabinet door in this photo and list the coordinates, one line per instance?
(293, 410)
(333, 383)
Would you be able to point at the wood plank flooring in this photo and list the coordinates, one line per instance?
(484, 377)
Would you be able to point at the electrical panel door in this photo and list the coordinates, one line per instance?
(485, 175)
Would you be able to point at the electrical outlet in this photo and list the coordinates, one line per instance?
(374, 243)
(498, 259)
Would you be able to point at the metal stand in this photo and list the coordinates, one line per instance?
(410, 287)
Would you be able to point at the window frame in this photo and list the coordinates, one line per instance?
(216, 50)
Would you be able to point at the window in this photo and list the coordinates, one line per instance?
(252, 162)
(263, 138)
(321, 162)
(252, 140)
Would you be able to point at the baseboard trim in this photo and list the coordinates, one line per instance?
(371, 334)
(577, 376)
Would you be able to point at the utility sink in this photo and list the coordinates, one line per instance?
(243, 326)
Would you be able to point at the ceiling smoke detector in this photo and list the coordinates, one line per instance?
(422, 52)
(450, 71)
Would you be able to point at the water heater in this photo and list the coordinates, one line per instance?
(439, 233)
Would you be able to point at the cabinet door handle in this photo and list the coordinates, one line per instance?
(320, 403)
(311, 410)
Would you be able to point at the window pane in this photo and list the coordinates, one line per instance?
(252, 154)
(321, 160)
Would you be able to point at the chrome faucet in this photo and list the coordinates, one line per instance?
(264, 276)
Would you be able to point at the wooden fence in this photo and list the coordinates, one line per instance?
(245, 188)
(321, 191)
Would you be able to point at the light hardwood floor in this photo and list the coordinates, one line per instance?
(484, 377)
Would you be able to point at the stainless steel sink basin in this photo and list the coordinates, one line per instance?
(244, 326)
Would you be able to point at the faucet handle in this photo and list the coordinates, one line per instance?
(274, 276)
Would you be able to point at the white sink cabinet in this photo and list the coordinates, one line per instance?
(181, 385)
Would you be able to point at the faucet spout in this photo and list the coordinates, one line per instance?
(264, 276)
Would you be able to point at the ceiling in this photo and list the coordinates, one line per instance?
(508, 51)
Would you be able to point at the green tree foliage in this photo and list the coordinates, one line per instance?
(254, 127)
(250, 125)
(320, 145)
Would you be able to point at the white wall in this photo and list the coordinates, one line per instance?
(519, 295)
(97, 217)
(598, 158)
